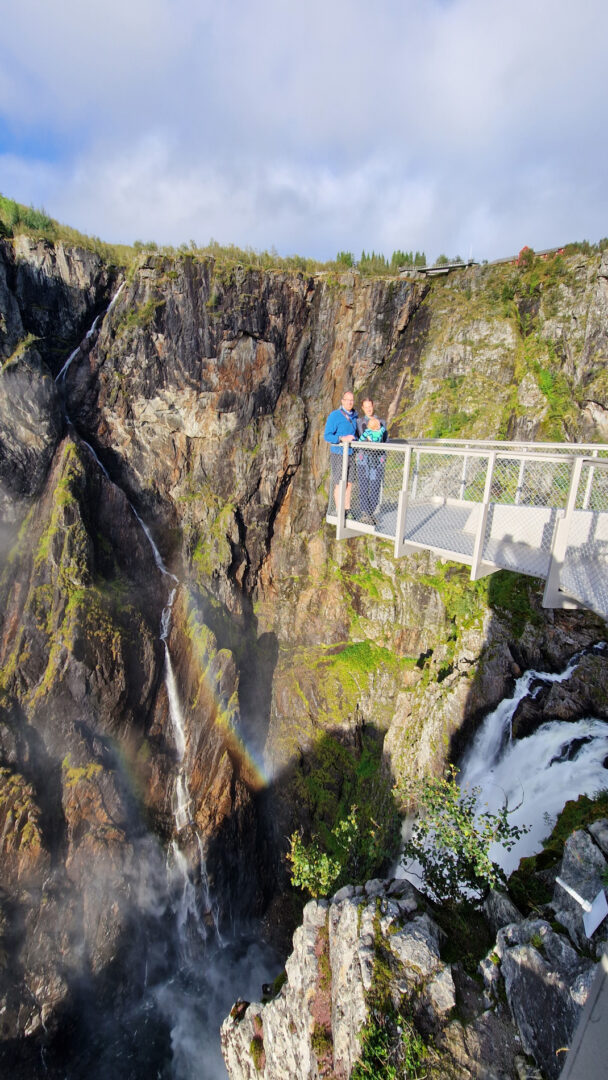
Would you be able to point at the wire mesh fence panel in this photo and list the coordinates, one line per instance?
(584, 574)
(447, 476)
(442, 492)
(507, 480)
(520, 538)
(336, 468)
(544, 482)
(377, 479)
(592, 491)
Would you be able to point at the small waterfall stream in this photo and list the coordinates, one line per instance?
(60, 378)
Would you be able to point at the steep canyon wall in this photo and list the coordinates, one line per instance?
(199, 402)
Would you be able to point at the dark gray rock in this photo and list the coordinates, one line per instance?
(546, 983)
(30, 425)
(500, 910)
(599, 832)
(582, 867)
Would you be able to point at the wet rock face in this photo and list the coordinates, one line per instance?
(79, 668)
(30, 428)
(48, 296)
(547, 983)
(583, 867)
(51, 292)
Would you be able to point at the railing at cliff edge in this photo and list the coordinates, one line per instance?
(535, 508)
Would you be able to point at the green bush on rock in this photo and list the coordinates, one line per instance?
(451, 838)
(356, 847)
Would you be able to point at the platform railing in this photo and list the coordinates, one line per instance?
(536, 508)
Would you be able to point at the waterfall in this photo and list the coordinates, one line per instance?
(89, 334)
(191, 975)
(538, 774)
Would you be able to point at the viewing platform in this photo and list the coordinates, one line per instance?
(534, 508)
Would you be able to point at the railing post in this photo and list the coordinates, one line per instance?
(520, 481)
(342, 533)
(402, 505)
(589, 484)
(483, 518)
(463, 479)
(416, 471)
(552, 598)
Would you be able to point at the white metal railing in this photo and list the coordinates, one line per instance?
(535, 508)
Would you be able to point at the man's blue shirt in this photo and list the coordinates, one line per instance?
(340, 422)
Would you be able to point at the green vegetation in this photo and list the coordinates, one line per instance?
(443, 260)
(377, 265)
(447, 425)
(354, 825)
(16, 219)
(387, 1057)
(512, 595)
(463, 599)
(19, 351)
(142, 317)
(345, 259)
(256, 1047)
(451, 840)
(353, 852)
(73, 774)
(468, 937)
(13, 215)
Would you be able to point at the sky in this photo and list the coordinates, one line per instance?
(457, 127)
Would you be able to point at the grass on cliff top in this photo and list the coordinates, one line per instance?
(17, 219)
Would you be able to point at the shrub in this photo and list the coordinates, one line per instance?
(355, 847)
(451, 839)
(385, 1055)
(525, 258)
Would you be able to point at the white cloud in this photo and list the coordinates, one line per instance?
(409, 123)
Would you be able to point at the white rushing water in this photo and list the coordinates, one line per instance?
(538, 774)
(89, 334)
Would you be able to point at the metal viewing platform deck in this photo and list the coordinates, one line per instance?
(534, 508)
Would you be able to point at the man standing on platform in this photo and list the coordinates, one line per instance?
(341, 429)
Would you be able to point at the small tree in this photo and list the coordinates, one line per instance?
(525, 258)
(356, 849)
(345, 258)
(451, 837)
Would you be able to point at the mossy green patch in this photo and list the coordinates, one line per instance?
(18, 352)
(513, 595)
(464, 600)
(140, 317)
(74, 774)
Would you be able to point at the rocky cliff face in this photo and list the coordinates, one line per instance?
(197, 405)
(369, 981)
